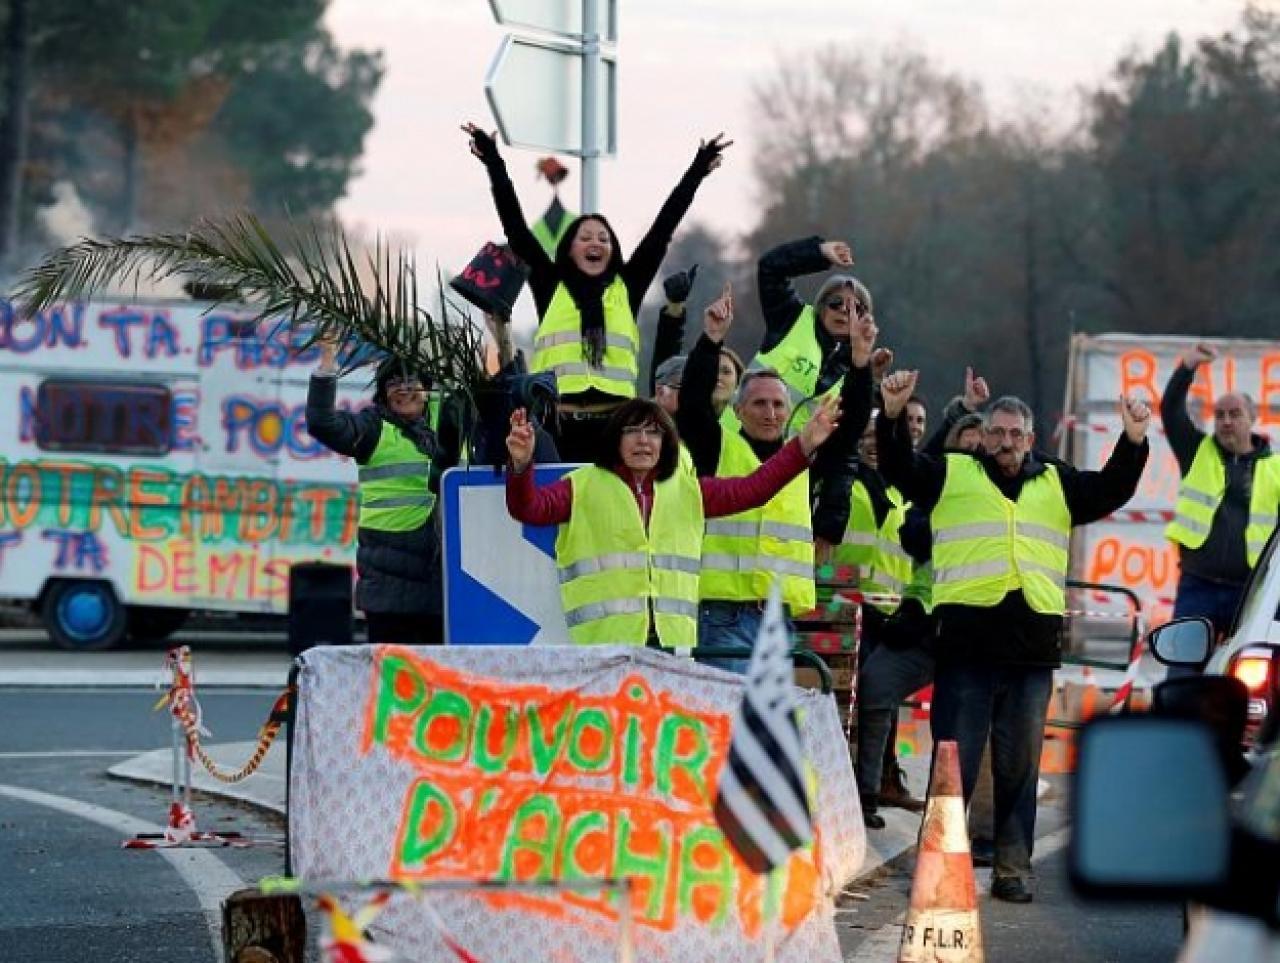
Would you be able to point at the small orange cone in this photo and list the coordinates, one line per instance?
(942, 922)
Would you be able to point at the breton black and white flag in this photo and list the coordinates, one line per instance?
(761, 804)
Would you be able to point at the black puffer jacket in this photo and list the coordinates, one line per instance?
(399, 571)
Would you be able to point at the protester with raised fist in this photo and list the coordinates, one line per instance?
(1002, 521)
(1229, 499)
(587, 296)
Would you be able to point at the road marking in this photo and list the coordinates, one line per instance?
(116, 677)
(205, 874)
(884, 943)
(72, 753)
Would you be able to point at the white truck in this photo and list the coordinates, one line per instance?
(155, 460)
(1129, 548)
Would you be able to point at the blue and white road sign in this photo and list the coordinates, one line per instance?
(500, 585)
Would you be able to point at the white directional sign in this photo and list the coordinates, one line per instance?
(534, 88)
(560, 17)
(500, 581)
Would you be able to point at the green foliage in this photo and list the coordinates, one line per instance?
(252, 99)
(300, 167)
(313, 278)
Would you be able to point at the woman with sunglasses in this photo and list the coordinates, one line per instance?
(587, 296)
(629, 548)
(808, 344)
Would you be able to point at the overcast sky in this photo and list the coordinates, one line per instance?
(686, 69)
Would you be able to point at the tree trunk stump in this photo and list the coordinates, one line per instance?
(263, 929)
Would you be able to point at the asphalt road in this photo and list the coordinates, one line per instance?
(70, 892)
(1057, 927)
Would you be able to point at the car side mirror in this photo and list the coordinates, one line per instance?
(1150, 811)
(1186, 643)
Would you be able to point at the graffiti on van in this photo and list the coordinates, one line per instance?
(178, 534)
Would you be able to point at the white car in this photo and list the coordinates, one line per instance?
(1252, 649)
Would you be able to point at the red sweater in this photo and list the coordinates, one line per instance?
(553, 504)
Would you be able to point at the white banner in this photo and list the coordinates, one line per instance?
(514, 763)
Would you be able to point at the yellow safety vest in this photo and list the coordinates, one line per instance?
(558, 345)
(613, 573)
(549, 239)
(858, 545)
(394, 493)
(891, 567)
(1202, 491)
(986, 546)
(743, 554)
(798, 359)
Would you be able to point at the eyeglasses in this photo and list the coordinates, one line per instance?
(1015, 435)
(841, 303)
(642, 431)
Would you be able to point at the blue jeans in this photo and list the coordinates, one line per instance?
(1200, 598)
(1009, 703)
(886, 678)
(729, 624)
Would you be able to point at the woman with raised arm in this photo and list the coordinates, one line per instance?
(587, 296)
(808, 343)
(629, 549)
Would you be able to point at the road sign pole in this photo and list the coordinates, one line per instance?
(590, 106)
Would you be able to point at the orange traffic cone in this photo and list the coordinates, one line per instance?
(942, 922)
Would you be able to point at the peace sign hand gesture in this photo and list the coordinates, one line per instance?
(483, 146)
(710, 153)
(821, 426)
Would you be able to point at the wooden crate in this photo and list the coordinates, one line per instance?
(831, 631)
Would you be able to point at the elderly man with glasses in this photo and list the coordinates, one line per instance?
(1001, 521)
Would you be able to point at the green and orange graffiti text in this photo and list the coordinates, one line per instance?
(525, 781)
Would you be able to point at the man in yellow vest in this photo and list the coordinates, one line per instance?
(742, 555)
(396, 451)
(1229, 498)
(1002, 522)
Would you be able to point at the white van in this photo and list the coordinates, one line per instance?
(156, 460)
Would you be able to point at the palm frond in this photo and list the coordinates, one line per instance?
(313, 282)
